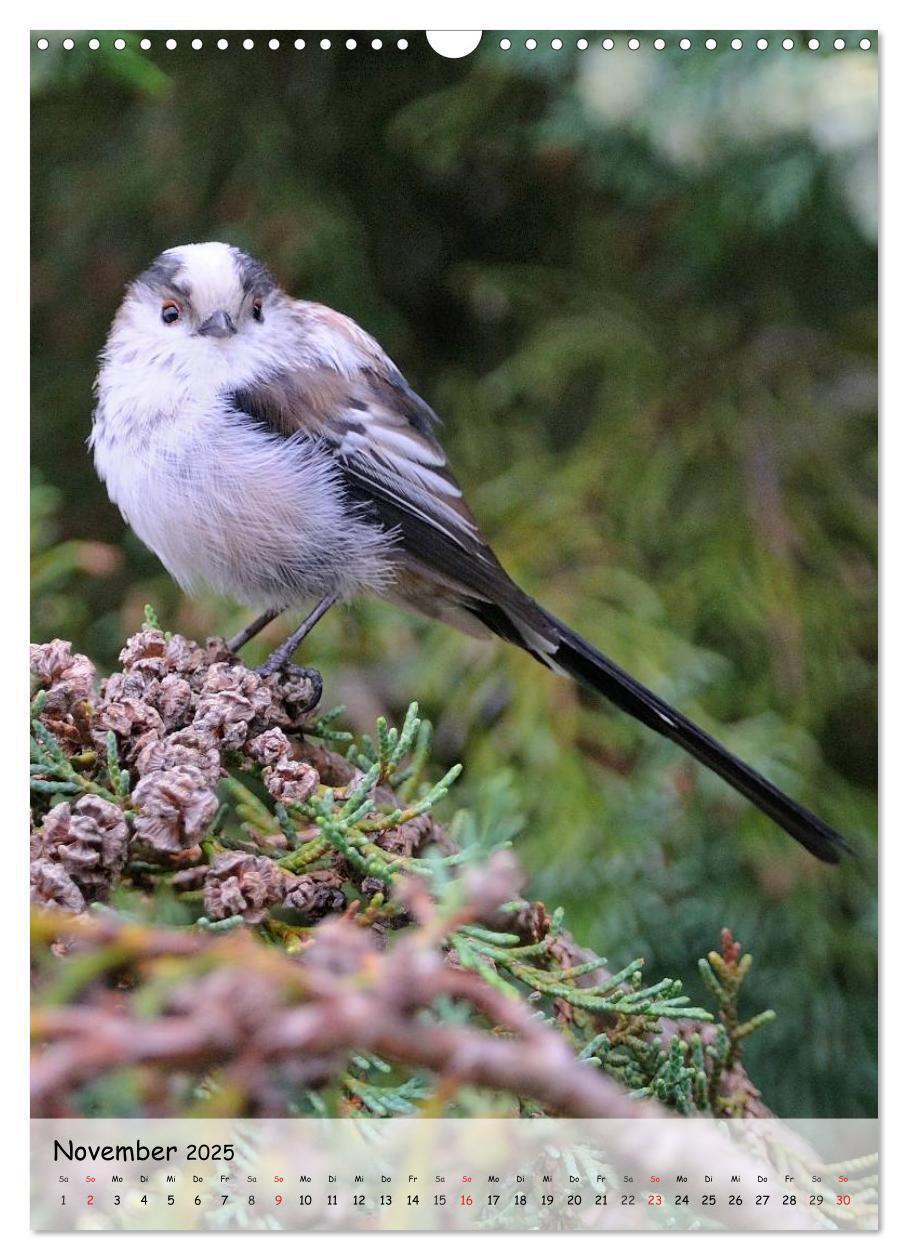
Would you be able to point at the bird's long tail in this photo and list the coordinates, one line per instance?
(574, 656)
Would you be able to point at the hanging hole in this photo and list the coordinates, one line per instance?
(453, 44)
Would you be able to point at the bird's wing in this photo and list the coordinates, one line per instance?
(383, 438)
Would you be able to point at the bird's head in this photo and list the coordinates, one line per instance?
(210, 296)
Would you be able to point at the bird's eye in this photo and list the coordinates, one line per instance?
(170, 312)
(257, 310)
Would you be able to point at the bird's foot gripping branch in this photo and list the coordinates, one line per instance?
(242, 911)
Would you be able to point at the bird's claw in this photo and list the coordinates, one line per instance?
(301, 688)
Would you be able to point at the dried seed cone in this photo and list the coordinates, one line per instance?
(238, 883)
(52, 887)
(67, 678)
(89, 840)
(176, 808)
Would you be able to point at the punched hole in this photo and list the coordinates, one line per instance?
(453, 44)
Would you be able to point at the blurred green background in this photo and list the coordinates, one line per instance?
(640, 287)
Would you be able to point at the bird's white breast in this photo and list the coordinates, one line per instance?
(223, 503)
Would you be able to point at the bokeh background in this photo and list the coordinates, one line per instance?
(641, 288)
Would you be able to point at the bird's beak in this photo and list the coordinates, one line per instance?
(218, 325)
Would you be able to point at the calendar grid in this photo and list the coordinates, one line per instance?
(453, 1175)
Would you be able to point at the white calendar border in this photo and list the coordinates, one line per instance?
(530, 14)
(465, 15)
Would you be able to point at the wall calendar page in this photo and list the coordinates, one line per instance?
(454, 601)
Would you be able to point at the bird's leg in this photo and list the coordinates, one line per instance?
(279, 658)
(241, 639)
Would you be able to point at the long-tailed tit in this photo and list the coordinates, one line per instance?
(269, 449)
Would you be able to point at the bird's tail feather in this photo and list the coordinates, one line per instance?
(575, 656)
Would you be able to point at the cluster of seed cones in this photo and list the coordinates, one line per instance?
(182, 717)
